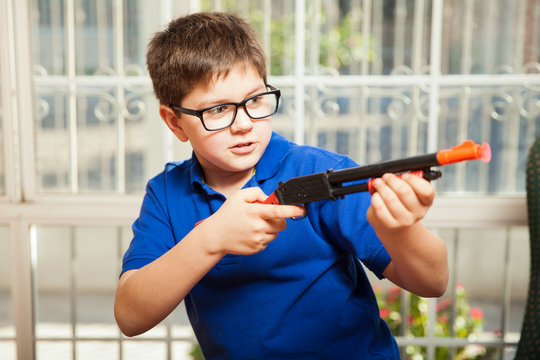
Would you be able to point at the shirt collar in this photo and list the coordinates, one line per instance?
(195, 171)
(273, 157)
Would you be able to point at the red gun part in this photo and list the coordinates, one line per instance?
(371, 187)
(271, 199)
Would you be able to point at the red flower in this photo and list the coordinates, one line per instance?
(444, 304)
(477, 313)
(394, 290)
(384, 313)
(443, 319)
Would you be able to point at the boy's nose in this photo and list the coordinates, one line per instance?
(242, 122)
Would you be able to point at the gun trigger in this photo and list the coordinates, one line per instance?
(301, 217)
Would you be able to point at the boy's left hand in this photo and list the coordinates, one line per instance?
(399, 203)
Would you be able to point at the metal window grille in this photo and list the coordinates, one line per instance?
(372, 79)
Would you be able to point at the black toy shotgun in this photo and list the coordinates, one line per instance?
(335, 184)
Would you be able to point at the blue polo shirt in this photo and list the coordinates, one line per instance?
(306, 296)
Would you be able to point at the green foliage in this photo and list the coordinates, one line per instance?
(338, 45)
(468, 322)
(196, 352)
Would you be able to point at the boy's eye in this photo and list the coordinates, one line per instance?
(218, 111)
(254, 101)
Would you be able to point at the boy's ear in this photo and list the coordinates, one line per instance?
(172, 122)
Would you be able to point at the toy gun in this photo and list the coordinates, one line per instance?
(335, 184)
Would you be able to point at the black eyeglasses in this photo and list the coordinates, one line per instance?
(222, 116)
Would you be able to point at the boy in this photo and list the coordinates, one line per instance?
(256, 284)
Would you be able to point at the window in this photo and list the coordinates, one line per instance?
(7, 328)
(375, 80)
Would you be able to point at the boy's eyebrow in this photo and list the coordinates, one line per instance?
(205, 104)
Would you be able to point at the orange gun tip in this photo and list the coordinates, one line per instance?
(467, 150)
(485, 152)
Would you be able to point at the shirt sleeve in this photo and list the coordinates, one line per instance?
(152, 231)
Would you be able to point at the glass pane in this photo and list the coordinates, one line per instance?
(53, 154)
(479, 259)
(473, 306)
(369, 124)
(397, 39)
(93, 137)
(7, 326)
(95, 285)
(74, 296)
(503, 116)
(491, 37)
(54, 350)
(274, 21)
(98, 134)
(97, 139)
(53, 276)
(91, 350)
(2, 171)
(144, 350)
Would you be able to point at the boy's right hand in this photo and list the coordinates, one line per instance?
(242, 226)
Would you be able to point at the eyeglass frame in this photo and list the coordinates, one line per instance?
(199, 113)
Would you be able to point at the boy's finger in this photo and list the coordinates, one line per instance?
(281, 211)
(423, 189)
(253, 194)
(403, 189)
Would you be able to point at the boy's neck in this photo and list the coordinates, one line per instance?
(228, 183)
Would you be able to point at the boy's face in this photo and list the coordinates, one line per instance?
(235, 149)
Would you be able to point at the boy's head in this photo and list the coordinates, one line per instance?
(197, 47)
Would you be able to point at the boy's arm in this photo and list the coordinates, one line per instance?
(144, 297)
(419, 263)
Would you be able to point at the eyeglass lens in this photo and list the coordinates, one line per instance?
(258, 107)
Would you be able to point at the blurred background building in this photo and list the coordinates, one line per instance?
(373, 79)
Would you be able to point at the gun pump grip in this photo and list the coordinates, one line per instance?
(372, 190)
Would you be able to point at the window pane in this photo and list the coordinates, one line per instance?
(2, 171)
(369, 124)
(53, 154)
(94, 133)
(54, 350)
(98, 134)
(506, 118)
(485, 299)
(91, 350)
(491, 37)
(361, 38)
(7, 328)
(75, 296)
(53, 283)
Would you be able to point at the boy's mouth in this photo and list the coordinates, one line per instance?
(243, 148)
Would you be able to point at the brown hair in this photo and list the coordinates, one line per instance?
(195, 48)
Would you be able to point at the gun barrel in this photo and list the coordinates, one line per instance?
(467, 150)
(419, 162)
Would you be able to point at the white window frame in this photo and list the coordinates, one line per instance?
(21, 206)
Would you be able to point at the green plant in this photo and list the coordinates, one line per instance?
(196, 352)
(467, 323)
